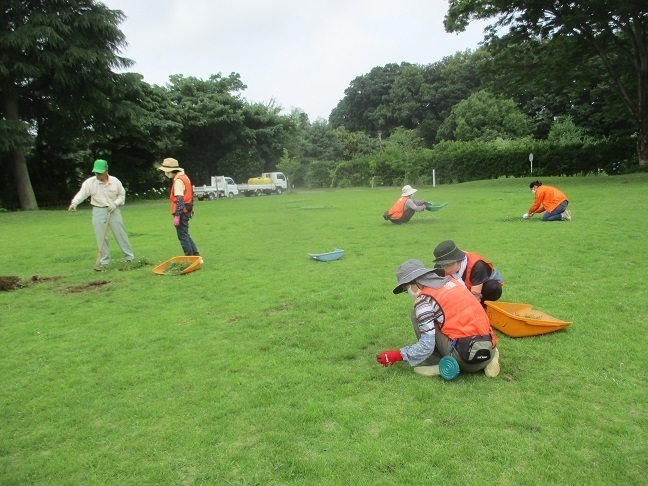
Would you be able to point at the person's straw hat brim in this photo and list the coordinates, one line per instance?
(169, 165)
(407, 191)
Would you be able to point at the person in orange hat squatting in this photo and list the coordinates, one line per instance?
(403, 209)
(181, 203)
(106, 194)
(472, 270)
(549, 200)
(447, 320)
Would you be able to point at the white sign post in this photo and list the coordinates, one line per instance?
(433, 178)
(531, 161)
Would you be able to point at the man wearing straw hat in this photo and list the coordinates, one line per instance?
(181, 203)
(106, 194)
(447, 320)
(403, 209)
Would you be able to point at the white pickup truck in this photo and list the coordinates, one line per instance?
(221, 186)
(268, 183)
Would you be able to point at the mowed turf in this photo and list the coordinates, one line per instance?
(260, 367)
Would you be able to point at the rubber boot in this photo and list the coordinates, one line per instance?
(493, 368)
(427, 370)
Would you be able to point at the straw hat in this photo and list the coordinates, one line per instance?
(408, 190)
(169, 165)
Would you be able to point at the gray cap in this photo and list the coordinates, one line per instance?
(415, 270)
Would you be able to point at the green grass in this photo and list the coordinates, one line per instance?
(260, 367)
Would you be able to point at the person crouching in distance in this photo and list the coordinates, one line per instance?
(550, 201)
(405, 207)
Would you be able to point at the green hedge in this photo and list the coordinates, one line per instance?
(467, 161)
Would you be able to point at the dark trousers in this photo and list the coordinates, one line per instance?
(407, 215)
(556, 214)
(188, 246)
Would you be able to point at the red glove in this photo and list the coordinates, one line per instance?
(389, 357)
(176, 220)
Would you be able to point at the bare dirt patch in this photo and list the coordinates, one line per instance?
(39, 279)
(86, 287)
(12, 282)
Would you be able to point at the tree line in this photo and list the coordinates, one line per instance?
(568, 85)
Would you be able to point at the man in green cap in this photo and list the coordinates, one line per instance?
(106, 193)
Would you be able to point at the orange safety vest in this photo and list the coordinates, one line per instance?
(398, 208)
(188, 194)
(472, 259)
(463, 314)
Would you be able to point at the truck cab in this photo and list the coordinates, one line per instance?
(221, 186)
(278, 179)
(226, 187)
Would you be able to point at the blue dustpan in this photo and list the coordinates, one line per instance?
(336, 254)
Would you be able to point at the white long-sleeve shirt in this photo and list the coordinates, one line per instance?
(101, 195)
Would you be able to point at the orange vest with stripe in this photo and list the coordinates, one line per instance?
(187, 196)
(398, 208)
(463, 314)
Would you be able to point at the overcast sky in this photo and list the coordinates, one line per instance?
(299, 53)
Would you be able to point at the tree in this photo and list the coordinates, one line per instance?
(321, 142)
(554, 78)
(564, 132)
(357, 110)
(404, 142)
(408, 95)
(616, 30)
(222, 134)
(142, 127)
(56, 56)
(484, 117)
(289, 166)
(356, 144)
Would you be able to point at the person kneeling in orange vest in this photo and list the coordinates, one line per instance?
(550, 201)
(447, 320)
(474, 271)
(403, 209)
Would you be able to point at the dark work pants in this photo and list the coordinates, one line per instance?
(556, 214)
(407, 215)
(188, 246)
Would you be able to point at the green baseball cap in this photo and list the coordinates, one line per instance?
(100, 166)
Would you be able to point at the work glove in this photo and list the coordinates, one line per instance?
(526, 215)
(389, 357)
(72, 207)
(111, 207)
(176, 220)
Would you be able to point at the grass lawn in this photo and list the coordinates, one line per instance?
(260, 367)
